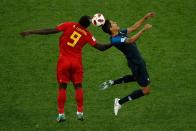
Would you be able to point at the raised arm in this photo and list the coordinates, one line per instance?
(140, 22)
(40, 32)
(137, 36)
(102, 47)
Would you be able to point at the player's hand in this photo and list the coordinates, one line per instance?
(149, 15)
(147, 26)
(24, 34)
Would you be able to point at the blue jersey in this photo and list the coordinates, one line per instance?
(129, 50)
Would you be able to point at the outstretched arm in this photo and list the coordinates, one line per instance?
(140, 22)
(137, 36)
(102, 47)
(40, 32)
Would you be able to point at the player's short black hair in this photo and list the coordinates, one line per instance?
(85, 21)
(106, 27)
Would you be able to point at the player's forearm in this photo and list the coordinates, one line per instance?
(39, 32)
(102, 47)
(44, 31)
(142, 20)
(138, 24)
(134, 38)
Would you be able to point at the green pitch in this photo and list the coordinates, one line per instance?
(28, 87)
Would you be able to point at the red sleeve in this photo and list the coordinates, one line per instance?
(63, 26)
(91, 40)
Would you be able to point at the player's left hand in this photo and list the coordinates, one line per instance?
(23, 34)
(147, 26)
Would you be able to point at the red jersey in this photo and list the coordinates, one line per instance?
(73, 39)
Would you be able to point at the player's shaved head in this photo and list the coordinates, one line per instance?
(85, 21)
(106, 27)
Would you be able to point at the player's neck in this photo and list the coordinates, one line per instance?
(114, 33)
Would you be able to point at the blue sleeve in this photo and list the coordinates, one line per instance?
(118, 40)
(124, 31)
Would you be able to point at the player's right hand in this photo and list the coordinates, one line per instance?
(23, 34)
(149, 15)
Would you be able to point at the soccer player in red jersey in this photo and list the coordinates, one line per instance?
(69, 68)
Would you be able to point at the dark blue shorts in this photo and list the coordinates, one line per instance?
(140, 72)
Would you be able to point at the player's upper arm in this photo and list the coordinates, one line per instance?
(129, 41)
(63, 26)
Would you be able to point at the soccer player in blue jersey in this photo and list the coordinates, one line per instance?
(119, 38)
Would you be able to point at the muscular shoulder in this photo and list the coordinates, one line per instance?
(65, 25)
(123, 32)
(119, 39)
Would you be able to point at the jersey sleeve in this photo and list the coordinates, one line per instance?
(91, 40)
(63, 26)
(124, 31)
(118, 40)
